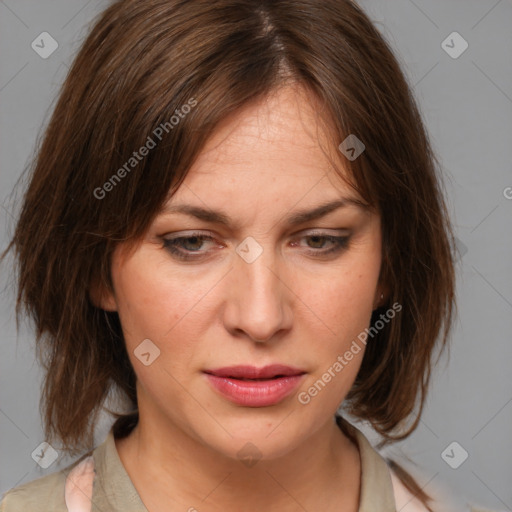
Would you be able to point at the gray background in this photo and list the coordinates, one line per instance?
(467, 104)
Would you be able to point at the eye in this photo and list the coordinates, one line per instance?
(192, 247)
(192, 244)
(317, 242)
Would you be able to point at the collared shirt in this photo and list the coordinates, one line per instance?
(113, 490)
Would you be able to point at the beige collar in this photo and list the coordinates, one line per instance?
(377, 493)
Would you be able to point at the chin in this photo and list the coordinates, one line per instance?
(265, 435)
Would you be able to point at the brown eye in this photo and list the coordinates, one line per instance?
(187, 247)
(325, 244)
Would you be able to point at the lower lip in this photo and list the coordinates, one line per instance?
(255, 393)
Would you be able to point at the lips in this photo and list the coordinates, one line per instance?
(252, 373)
(249, 386)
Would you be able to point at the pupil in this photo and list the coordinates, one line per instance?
(195, 240)
(315, 239)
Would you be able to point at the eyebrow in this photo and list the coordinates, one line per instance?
(298, 217)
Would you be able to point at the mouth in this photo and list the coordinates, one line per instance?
(252, 373)
(249, 386)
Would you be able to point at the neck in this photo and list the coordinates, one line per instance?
(173, 471)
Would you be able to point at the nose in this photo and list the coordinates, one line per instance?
(259, 298)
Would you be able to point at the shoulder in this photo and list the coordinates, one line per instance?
(443, 499)
(405, 500)
(44, 493)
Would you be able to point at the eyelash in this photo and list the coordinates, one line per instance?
(340, 244)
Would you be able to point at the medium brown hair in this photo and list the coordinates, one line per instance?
(141, 63)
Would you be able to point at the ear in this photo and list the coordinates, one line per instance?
(381, 296)
(377, 299)
(101, 296)
(383, 289)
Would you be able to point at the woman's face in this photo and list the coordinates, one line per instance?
(263, 288)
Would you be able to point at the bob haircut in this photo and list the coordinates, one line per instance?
(162, 75)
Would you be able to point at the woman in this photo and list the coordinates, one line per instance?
(234, 221)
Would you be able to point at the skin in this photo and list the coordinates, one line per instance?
(291, 305)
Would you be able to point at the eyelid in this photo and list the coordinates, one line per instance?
(304, 232)
(325, 231)
(183, 235)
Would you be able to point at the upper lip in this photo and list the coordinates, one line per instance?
(252, 372)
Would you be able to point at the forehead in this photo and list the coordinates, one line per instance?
(284, 123)
(271, 146)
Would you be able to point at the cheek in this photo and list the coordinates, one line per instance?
(340, 307)
(341, 302)
(344, 305)
(153, 303)
(166, 309)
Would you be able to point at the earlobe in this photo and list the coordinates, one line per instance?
(378, 300)
(382, 292)
(381, 296)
